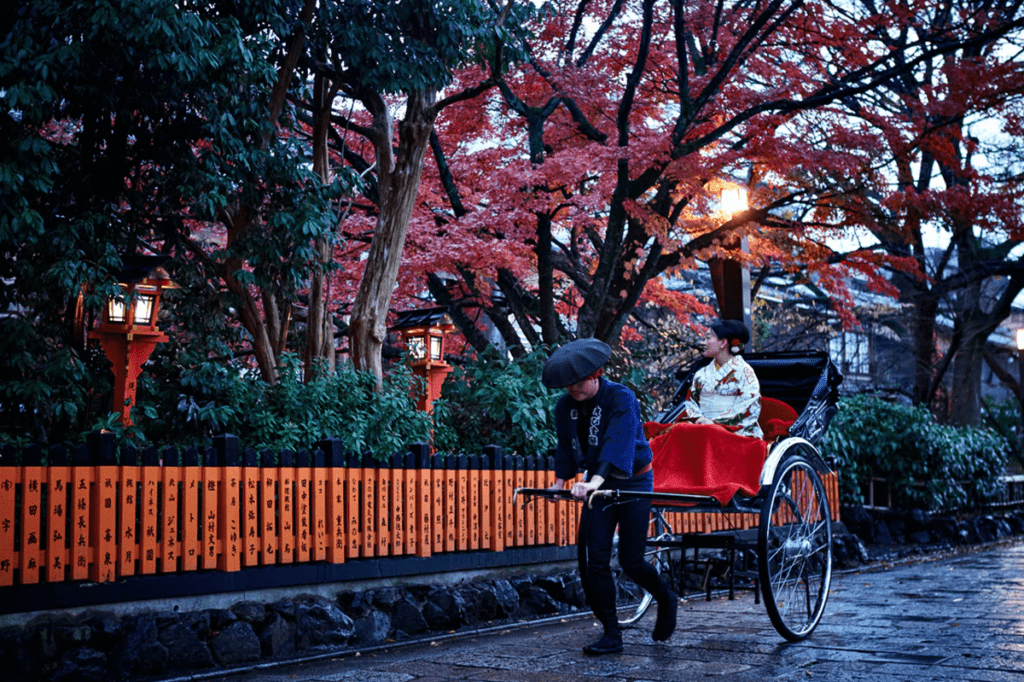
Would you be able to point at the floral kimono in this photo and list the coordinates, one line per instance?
(729, 395)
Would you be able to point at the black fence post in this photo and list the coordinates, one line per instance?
(420, 450)
(101, 445)
(33, 456)
(81, 456)
(57, 456)
(130, 456)
(211, 457)
(229, 453)
(334, 451)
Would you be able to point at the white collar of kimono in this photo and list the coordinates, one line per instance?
(722, 368)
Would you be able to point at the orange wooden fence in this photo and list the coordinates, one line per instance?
(693, 522)
(101, 522)
(92, 519)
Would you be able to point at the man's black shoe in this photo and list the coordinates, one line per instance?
(608, 644)
(666, 623)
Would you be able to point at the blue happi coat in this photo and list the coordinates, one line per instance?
(615, 435)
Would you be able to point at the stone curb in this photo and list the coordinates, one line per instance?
(251, 636)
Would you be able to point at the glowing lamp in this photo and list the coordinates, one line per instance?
(417, 347)
(424, 332)
(145, 305)
(128, 332)
(734, 200)
(117, 311)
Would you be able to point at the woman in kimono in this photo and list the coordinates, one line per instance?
(726, 390)
(715, 446)
(600, 432)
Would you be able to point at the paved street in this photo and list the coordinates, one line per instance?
(956, 618)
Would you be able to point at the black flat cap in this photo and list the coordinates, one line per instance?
(731, 329)
(574, 361)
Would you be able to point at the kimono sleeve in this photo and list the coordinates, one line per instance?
(691, 406)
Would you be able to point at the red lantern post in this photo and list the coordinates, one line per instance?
(424, 333)
(129, 334)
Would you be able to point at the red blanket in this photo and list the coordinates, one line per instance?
(706, 459)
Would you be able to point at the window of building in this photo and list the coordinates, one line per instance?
(852, 352)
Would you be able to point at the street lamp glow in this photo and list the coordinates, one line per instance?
(734, 200)
(1020, 339)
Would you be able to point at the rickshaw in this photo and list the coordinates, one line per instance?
(792, 541)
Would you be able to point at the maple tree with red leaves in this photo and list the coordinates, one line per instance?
(280, 167)
(596, 172)
(388, 57)
(936, 149)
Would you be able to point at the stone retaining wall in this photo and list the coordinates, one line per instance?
(894, 532)
(101, 646)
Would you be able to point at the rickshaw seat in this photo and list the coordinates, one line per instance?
(776, 418)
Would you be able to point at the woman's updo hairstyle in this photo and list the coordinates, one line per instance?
(734, 331)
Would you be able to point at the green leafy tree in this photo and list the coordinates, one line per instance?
(125, 128)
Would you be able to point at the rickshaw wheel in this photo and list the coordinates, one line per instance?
(794, 546)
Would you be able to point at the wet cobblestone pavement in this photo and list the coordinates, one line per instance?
(955, 618)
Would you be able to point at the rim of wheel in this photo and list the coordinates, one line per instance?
(795, 549)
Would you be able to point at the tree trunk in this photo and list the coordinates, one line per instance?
(546, 281)
(319, 330)
(262, 345)
(965, 392)
(925, 307)
(399, 184)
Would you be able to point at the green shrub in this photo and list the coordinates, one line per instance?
(930, 465)
(292, 415)
(1004, 416)
(494, 401)
(289, 415)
